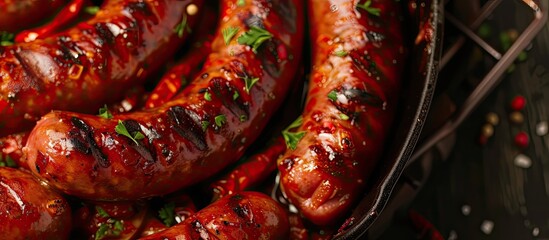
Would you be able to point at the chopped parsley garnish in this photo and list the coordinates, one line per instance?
(249, 83)
(207, 96)
(293, 138)
(235, 95)
(243, 118)
(366, 6)
(7, 162)
(111, 227)
(182, 27)
(104, 112)
(205, 125)
(240, 3)
(254, 37)
(167, 214)
(343, 116)
(332, 95)
(101, 212)
(220, 120)
(6, 38)
(92, 10)
(228, 34)
(122, 130)
(341, 53)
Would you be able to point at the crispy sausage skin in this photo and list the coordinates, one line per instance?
(29, 210)
(16, 15)
(202, 130)
(92, 63)
(246, 215)
(357, 63)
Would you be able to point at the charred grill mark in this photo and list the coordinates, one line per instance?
(361, 96)
(269, 57)
(254, 21)
(138, 7)
(90, 145)
(148, 153)
(186, 124)
(241, 211)
(328, 160)
(30, 77)
(287, 11)
(105, 35)
(223, 90)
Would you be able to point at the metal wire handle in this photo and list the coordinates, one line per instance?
(493, 77)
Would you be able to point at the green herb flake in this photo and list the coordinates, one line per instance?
(104, 112)
(332, 95)
(7, 162)
(205, 125)
(6, 38)
(101, 212)
(182, 27)
(249, 83)
(343, 116)
(122, 130)
(243, 118)
(341, 53)
(240, 3)
(366, 6)
(228, 34)
(101, 231)
(167, 214)
(208, 96)
(220, 120)
(254, 37)
(293, 138)
(235, 95)
(92, 10)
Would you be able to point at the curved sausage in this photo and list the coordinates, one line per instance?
(29, 210)
(92, 63)
(16, 15)
(205, 128)
(247, 215)
(357, 63)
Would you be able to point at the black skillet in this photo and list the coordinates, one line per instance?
(421, 77)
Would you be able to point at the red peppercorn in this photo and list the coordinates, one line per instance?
(521, 140)
(518, 103)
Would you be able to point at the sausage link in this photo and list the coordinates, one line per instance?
(92, 63)
(357, 63)
(247, 215)
(16, 15)
(29, 210)
(205, 128)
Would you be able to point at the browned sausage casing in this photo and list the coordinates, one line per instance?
(90, 64)
(28, 210)
(246, 215)
(202, 130)
(357, 63)
(17, 15)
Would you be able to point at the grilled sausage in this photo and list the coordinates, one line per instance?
(205, 128)
(357, 63)
(16, 15)
(92, 63)
(28, 210)
(247, 215)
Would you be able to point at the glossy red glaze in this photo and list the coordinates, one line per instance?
(28, 210)
(359, 57)
(185, 140)
(12, 147)
(16, 15)
(91, 64)
(247, 215)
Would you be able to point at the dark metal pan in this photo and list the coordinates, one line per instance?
(421, 77)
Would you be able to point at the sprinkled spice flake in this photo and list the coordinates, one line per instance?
(332, 95)
(207, 96)
(92, 10)
(254, 37)
(293, 138)
(367, 6)
(340, 53)
(249, 83)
